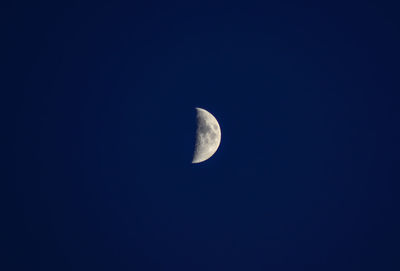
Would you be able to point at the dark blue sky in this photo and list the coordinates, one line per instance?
(99, 126)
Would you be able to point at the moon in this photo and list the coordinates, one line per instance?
(208, 136)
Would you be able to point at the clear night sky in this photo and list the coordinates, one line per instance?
(98, 101)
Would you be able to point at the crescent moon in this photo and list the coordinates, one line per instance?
(208, 136)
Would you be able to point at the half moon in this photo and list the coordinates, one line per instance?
(208, 136)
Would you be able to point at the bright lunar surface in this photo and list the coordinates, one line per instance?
(208, 136)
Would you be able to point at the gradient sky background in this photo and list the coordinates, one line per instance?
(98, 107)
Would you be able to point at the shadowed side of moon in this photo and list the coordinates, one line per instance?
(208, 136)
